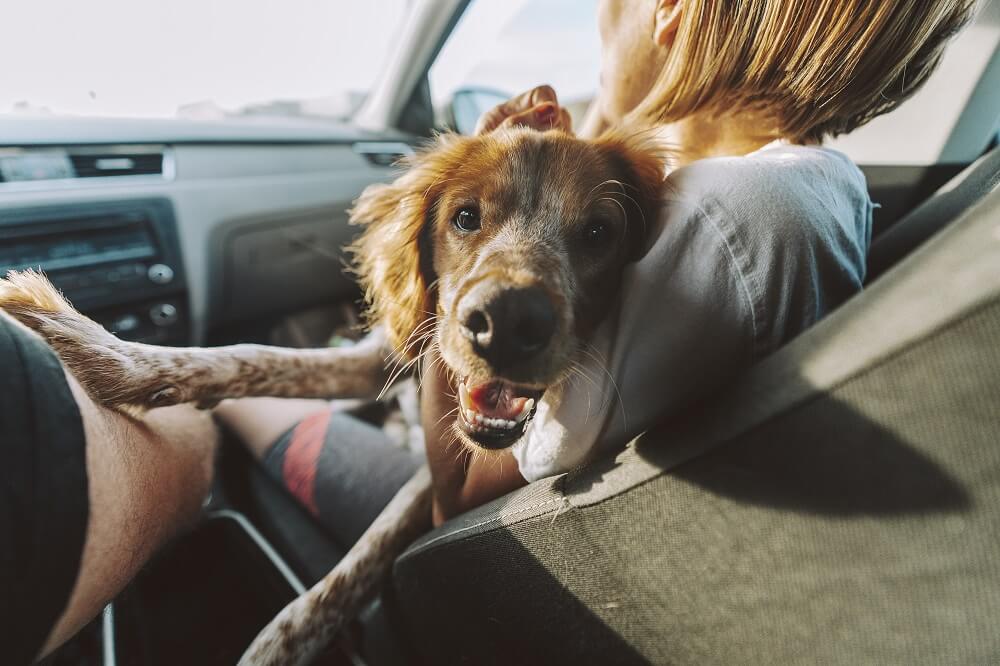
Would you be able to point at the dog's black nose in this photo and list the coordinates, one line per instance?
(513, 324)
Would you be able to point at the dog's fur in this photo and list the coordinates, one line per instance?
(537, 196)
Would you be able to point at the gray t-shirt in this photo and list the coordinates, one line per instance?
(749, 252)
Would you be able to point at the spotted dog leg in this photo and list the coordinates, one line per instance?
(122, 374)
(308, 624)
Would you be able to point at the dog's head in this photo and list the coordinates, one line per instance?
(506, 251)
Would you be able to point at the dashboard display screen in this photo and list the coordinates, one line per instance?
(83, 247)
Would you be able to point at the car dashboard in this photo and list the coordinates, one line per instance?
(165, 231)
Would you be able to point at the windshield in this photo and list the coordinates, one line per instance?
(194, 58)
(512, 46)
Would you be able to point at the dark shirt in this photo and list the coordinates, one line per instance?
(43, 492)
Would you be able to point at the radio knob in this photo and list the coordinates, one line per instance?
(163, 314)
(160, 274)
(124, 324)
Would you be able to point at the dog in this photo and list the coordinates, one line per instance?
(501, 253)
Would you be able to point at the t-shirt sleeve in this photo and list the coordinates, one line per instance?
(43, 492)
(685, 323)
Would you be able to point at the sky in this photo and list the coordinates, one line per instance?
(146, 58)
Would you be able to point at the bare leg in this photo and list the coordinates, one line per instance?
(259, 422)
(147, 479)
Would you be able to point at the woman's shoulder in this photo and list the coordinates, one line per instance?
(793, 224)
(781, 198)
(778, 182)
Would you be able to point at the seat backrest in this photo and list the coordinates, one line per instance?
(954, 198)
(839, 503)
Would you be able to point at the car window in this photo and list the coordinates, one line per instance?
(194, 58)
(498, 49)
(501, 48)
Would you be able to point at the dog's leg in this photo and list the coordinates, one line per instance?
(308, 624)
(119, 373)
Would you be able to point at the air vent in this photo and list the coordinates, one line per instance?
(42, 167)
(119, 163)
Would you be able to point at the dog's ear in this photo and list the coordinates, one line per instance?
(392, 257)
(641, 162)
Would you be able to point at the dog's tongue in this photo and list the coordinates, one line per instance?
(497, 400)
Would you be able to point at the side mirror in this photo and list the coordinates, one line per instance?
(468, 104)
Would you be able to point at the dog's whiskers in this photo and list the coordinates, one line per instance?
(396, 375)
(419, 336)
(418, 339)
(453, 412)
(577, 370)
(617, 203)
(602, 365)
(417, 333)
(619, 191)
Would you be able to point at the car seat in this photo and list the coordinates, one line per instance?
(839, 502)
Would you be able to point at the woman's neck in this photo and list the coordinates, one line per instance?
(700, 136)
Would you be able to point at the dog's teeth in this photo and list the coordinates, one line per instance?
(525, 410)
(479, 422)
(463, 396)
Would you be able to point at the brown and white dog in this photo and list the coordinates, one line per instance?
(503, 252)
(499, 252)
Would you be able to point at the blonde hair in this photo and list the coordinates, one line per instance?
(816, 67)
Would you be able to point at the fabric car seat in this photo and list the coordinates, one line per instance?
(840, 502)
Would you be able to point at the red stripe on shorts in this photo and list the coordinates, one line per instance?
(299, 467)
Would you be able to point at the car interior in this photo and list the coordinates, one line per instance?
(210, 226)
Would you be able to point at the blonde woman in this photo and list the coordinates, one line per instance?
(764, 230)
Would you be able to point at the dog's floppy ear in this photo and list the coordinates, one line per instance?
(640, 161)
(392, 256)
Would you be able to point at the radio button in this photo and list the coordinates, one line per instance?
(163, 314)
(124, 324)
(160, 274)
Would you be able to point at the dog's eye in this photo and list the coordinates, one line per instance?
(596, 233)
(467, 220)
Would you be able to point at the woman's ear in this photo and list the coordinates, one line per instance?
(666, 20)
(392, 256)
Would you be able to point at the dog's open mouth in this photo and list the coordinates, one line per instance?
(494, 414)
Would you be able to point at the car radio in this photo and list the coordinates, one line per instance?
(118, 262)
